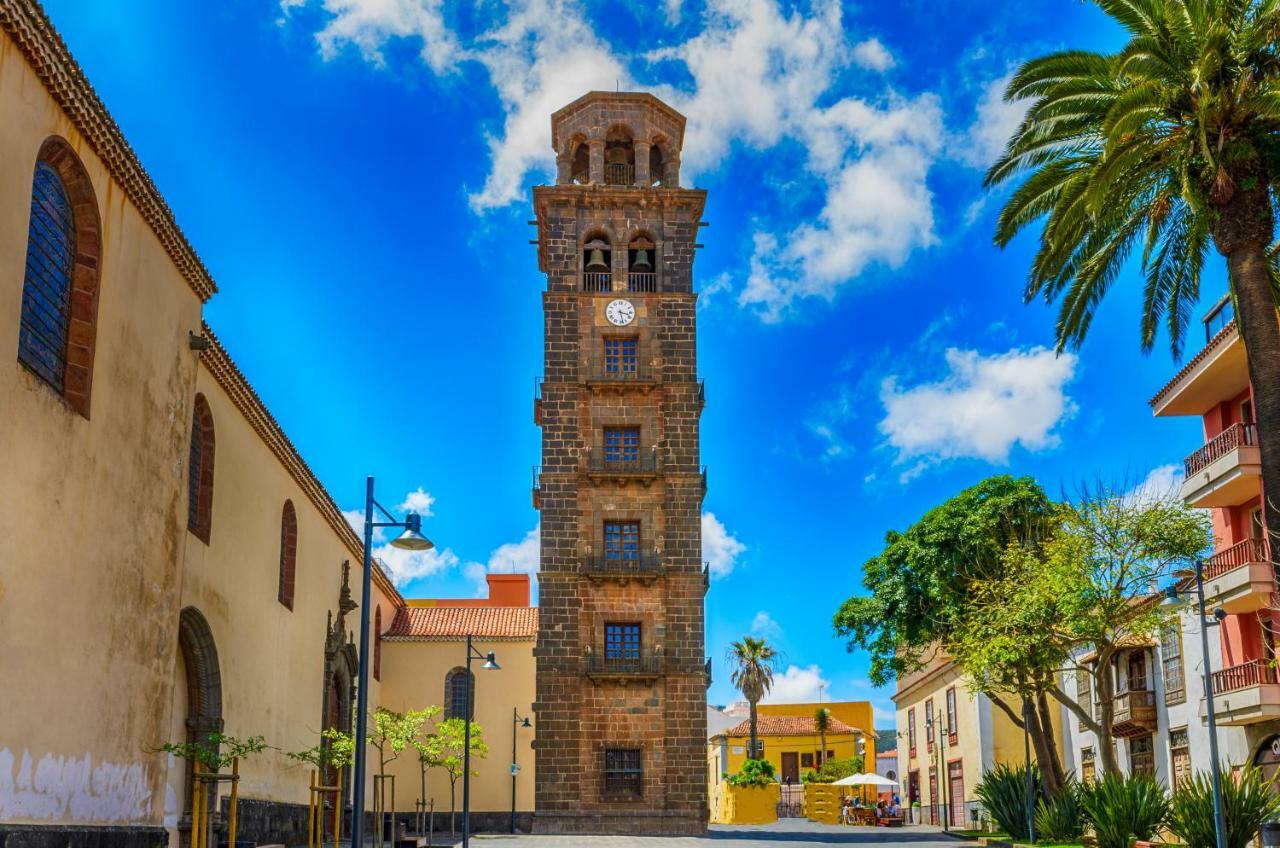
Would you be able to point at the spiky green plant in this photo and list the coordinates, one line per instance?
(1247, 802)
(1003, 793)
(1124, 807)
(1060, 819)
(1169, 146)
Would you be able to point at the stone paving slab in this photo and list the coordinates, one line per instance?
(799, 833)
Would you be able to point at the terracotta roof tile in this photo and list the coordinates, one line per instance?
(785, 726)
(1192, 363)
(431, 624)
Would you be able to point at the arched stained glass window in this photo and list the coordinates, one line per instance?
(47, 285)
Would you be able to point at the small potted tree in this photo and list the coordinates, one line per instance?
(335, 752)
(208, 757)
(443, 749)
(392, 733)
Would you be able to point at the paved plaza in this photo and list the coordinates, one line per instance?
(785, 833)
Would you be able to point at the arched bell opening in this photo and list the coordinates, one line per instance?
(619, 158)
(597, 264)
(642, 265)
(657, 166)
(580, 164)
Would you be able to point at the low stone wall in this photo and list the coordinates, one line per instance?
(67, 836)
(742, 805)
(822, 803)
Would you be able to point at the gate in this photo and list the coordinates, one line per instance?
(791, 801)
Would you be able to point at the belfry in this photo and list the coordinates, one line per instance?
(622, 676)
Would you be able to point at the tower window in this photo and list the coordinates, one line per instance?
(620, 357)
(621, 444)
(641, 274)
(581, 164)
(623, 773)
(622, 641)
(597, 265)
(619, 158)
(459, 692)
(622, 540)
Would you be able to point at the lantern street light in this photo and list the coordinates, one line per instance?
(490, 664)
(1172, 599)
(517, 721)
(410, 540)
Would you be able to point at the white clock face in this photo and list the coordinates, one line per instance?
(620, 312)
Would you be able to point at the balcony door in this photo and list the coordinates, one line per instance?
(1136, 677)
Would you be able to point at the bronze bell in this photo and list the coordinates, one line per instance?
(642, 262)
(595, 262)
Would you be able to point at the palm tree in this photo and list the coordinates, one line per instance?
(822, 723)
(753, 661)
(1173, 143)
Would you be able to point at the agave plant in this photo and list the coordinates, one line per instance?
(1003, 792)
(1060, 819)
(1247, 802)
(1124, 807)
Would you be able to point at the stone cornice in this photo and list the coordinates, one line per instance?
(232, 380)
(26, 23)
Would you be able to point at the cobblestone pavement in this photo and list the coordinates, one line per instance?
(800, 833)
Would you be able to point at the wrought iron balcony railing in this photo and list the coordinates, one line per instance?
(620, 174)
(608, 461)
(624, 562)
(627, 371)
(643, 665)
(597, 281)
(642, 281)
(1219, 446)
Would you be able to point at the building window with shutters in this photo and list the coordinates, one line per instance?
(1088, 765)
(1142, 755)
(622, 540)
(952, 728)
(929, 729)
(58, 326)
(1175, 686)
(1179, 755)
(911, 732)
(806, 760)
(1084, 693)
(623, 773)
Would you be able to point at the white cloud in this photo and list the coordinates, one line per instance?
(797, 685)
(419, 501)
(993, 126)
(520, 557)
(764, 625)
(1163, 483)
(370, 24)
(982, 407)
(407, 566)
(355, 517)
(720, 549)
(873, 55)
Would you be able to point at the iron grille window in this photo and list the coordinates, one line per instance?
(952, 728)
(1084, 692)
(1175, 688)
(623, 772)
(620, 356)
(621, 444)
(46, 286)
(622, 641)
(1180, 755)
(1142, 755)
(929, 729)
(457, 697)
(911, 730)
(622, 540)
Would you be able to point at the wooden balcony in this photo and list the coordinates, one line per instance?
(1134, 714)
(1241, 578)
(624, 669)
(1246, 694)
(1225, 472)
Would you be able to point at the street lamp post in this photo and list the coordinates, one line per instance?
(410, 540)
(517, 721)
(940, 787)
(1171, 598)
(489, 664)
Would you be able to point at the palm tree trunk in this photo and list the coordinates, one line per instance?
(751, 750)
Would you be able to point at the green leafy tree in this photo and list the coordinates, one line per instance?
(822, 724)
(443, 748)
(392, 732)
(1170, 144)
(216, 751)
(753, 662)
(336, 750)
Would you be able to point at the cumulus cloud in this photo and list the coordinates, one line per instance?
(764, 625)
(993, 125)
(981, 408)
(355, 517)
(1162, 483)
(797, 685)
(407, 566)
(419, 501)
(520, 557)
(867, 158)
(873, 55)
(720, 549)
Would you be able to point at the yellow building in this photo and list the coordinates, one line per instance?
(946, 729)
(170, 566)
(791, 741)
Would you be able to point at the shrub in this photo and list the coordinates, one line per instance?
(754, 774)
(812, 776)
(1003, 792)
(833, 770)
(1059, 819)
(1124, 807)
(1247, 802)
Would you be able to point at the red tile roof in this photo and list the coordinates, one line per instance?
(786, 726)
(1192, 363)
(443, 624)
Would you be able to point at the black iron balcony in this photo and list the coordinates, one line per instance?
(627, 371)
(707, 670)
(620, 174)
(640, 462)
(624, 666)
(623, 563)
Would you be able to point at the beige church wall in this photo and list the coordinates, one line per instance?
(92, 510)
(271, 658)
(413, 675)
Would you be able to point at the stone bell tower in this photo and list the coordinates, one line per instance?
(622, 676)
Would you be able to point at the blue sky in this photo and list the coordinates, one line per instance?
(356, 175)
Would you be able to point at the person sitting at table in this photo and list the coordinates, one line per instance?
(895, 808)
(882, 811)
